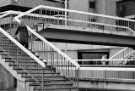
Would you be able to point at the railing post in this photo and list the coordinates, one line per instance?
(78, 78)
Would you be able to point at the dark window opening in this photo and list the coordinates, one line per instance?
(14, 7)
(15, 83)
(125, 8)
(91, 55)
(92, 4)
(59, 1)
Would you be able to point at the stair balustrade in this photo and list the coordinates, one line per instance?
(79, 20)
(122, 53)
(38, 75)
(107, 70)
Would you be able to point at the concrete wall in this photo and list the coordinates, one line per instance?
(5, 2)
(78, 5)
(107, 7)
(7, 81)
(81, 6)
(113, 51)
(34, 3)
(72, 49)
(30, 3)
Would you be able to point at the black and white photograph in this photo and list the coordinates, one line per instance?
(67, 45)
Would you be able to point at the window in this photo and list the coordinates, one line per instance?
(60, 1)
(91, 55)
(125, 8)
(92, 4)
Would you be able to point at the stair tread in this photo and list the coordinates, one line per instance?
(45, 80)
(46, 84)
(45, 77)
(52, 80)
(29, 69)
(40, 88)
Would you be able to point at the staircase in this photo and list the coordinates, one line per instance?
(122, 53)
(125, 53)
(55, 73)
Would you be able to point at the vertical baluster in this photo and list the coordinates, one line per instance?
(42, 79)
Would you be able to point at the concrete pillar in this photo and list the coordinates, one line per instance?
(22, 86)
(106, 7)
(80, 6)
(100, 6)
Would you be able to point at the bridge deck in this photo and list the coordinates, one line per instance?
(91, 36)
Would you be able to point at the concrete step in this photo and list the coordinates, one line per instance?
(48, 81)
(41, 77)
(40, 73)
(32, 69)
(34, 80)
(56, 84)
(14, 65)
(22, 61)
(53, 89)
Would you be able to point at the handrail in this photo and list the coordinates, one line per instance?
(118, 53)
(83, 60)
(22, 47)
(16, 42)
(78, 21)
(130, 53)
(51, 45)
(108, 68)
(74, 11)
(14, 73)
(10, 12)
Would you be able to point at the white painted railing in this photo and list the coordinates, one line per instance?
(65, 61)
(122, 53)
(88, 21)
(9, 69)
(106, 62)
(57, 59)
(15, 41)
(53, 47)
(105, 69)
(24, 86)
(131, 53)
(119, 74)
(22, 47)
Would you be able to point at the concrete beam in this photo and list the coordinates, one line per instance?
(84, 37)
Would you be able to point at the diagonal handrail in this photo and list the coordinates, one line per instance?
(78, 21)
(12, 71)
(88, 14)
(74, 11)
(52, 46)
(122, 53)
(119, 52)
(16, 42)
(22, 47)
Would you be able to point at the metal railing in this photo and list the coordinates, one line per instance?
(20, 58)
(106, 62)
(105, 69)
(85, 20)
(56, 59)
(122, 53)
(130, 54)
(108, 74)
